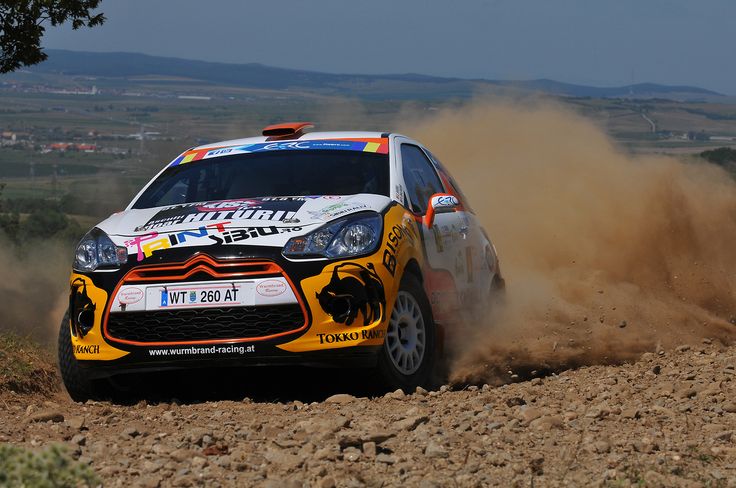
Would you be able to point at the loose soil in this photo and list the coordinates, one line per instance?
(667, 419)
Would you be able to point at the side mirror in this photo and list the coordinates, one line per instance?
(440, 203)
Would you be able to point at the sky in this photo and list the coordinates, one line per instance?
(592, 42)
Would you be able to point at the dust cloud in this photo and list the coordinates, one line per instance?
(34, 288)
(605, 255)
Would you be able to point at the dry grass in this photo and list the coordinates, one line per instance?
(26, 367)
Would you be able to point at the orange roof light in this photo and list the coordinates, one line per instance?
(288, 130)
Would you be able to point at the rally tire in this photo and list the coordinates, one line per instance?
(76, 381)
(394, 368)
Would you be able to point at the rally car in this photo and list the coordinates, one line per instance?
(314, 248)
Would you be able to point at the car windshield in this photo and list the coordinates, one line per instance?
(270, 174)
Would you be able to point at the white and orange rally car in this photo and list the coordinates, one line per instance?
(316, 248)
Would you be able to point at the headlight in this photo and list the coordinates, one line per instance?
(96, 250)
(349, 236)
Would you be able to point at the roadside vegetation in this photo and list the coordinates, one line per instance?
(52, 467)
(25, 220)
(722, 156)
(26, 367)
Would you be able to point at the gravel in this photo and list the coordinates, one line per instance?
(666, 420)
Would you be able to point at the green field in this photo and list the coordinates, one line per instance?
(137, 135)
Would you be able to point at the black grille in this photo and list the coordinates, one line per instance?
(204, 323)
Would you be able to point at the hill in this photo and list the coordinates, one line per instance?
(252, 75)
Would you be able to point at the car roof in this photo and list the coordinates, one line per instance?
(309, 136)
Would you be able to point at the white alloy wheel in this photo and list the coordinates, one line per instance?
(406, 337)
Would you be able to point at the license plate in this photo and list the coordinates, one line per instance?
(231, 294)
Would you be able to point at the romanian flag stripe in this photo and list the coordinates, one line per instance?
(371, 147)
(189, 157)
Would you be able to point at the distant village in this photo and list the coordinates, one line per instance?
(86, 143)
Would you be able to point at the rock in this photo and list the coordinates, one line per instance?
(340, 399)
(181, 455)
(76, 423)
(351, 454)
(397, 394)
(385, 458)
(369, 449)
(348, 438)
(599, 411)
(326, 453)
(151, 466)
(434, 450)
(724, 436)
(527, 414)
(630, 413)
(130, 432)
(149, 481)
(515, 402)
(215, 450)
(411, 423)
(283, 459)
(601, 446)
(46, 416)
(547, 422)
(645, 445)
(715, 473)
(536, 465)
(377, 436)
(79, 440)
(730, 407)
(327, 482)
(684, 393)
(622, 324)
(420, 391)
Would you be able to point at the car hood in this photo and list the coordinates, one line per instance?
(268, 221)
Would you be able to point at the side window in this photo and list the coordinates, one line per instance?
(448, 178)
(419, 177)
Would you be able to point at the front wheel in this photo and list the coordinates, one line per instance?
(408, 354)
(76, 381)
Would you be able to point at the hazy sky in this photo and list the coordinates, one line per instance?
(598, 42)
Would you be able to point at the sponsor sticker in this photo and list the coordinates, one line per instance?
(372, 145)
(271, 288)
(130, 295)
(87, 349)
(446, 201)
(260, 209)
(337, 209)
(350, 336)
(394, 239)
(196, 350)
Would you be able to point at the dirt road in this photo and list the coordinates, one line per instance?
(668, 419)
